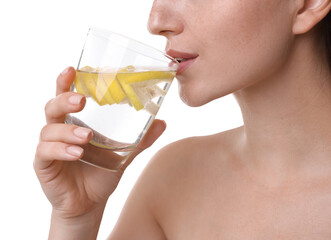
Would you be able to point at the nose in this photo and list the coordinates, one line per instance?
(164, 20)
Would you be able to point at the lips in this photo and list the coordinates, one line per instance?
(185, 59)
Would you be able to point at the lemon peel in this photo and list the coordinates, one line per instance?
(124, 86)
(130, 82)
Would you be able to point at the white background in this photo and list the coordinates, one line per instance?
(39, 39)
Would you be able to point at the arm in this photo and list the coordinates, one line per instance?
(83, 227)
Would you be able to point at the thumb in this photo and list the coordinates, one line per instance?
(153, 133)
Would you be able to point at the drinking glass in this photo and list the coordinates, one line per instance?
(124, 82)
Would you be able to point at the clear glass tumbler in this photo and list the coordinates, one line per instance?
(125, 82)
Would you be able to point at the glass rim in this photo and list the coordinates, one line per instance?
(107, 31)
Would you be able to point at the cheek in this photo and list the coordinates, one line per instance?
(251, 46)
(248, 34)
(248, 44)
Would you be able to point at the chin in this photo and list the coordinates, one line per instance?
(191, 102)
(198, 95)
(193, 98)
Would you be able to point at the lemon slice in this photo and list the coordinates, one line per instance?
(86, 84)
(80, 88)
(131, 82)
(79, 82)
(102, 87)
(91, 84)
(115, 89)
(125, 86)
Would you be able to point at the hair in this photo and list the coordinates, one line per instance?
(326, 35)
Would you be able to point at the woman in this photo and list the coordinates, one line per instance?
(269, 179)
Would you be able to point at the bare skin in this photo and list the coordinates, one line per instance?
(209, 193)
(269, 179)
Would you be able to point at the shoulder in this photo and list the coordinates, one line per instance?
(188, 168)
(193, 155)
(184, 170)
(191, 148)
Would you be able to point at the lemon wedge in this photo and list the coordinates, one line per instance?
(115, 89)
(80, 87)
(131, 82)
(86, 84)
(125, 86)
(102, 92)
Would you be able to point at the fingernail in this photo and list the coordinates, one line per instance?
(82, 132)
(65, 71)
(75, 151)
(75, 99)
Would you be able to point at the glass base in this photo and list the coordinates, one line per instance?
(108, 159)
(104, 152)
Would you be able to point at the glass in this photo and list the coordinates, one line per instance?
(125, 82)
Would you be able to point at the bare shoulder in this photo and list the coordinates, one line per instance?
(181, 170)
(184, 172)
(187, 162)
(195, 153)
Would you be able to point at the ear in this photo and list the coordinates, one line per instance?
(309, 14)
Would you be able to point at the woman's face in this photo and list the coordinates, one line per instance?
(231, 44)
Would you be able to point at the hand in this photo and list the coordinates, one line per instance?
(74, 188)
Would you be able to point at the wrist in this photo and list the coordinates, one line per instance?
(81, 227)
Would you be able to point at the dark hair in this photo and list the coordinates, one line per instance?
(326, 34)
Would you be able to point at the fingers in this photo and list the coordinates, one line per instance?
(57, 108)
(153, 133)
(65, 80)
(65, 101)
(67, 133)
(60, 142)
(47, 152)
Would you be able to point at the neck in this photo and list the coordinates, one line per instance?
(287, 117)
